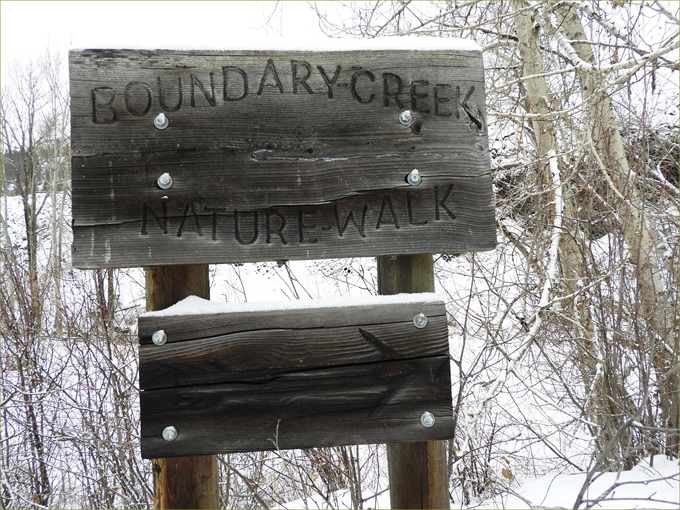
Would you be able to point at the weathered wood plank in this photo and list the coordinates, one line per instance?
(270, 152)
(212, 185)
(274, 316)
(439, 219)
(323, 375)
(258, 346)
(263, 354)
(119, 92)
(357, 404)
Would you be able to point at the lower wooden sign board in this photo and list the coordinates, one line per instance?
(224, 378)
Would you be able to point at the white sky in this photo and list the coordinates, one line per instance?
(29, 27)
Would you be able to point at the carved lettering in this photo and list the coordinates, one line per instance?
(456, 102)
(213, 224)
(387, 201)
(329, 83)
(162, 220)
(189, 208)
(270, 68)
(442, 203)
(353, 86)
(314, 224)
(443, 99)
(438, 99)
(473, 111)
(392, 91)
(278, 231)
(133, 100)
(161, 98)
(301, 80)
(237, 228)
(302, 226)
(409, 206)
(226, 70)
(210, 96)
(350, 217)
(415, 95)
(214, 215)
(97, 116)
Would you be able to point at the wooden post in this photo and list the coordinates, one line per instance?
(418, 471)
(181, 482)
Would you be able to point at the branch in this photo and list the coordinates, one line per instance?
(547, 286)
(592, 473)
(656, 172)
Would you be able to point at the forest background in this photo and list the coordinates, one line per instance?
(564, 340)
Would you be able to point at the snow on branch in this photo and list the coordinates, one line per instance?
(544, 303)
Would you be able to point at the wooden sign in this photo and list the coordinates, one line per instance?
(327, 372)
(190, 157)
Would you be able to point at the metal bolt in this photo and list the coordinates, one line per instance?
(420, 321)
(161, 121)
(159, 337)
(406, 118)
(414, 178)
(170, 432)
(164, 181)
(427, 419)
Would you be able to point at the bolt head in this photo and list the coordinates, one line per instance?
(414, 178)
(427, 419)
(406, 118)
(159, 337)
(161, 121)
(170, 433)
(164, 181)
(420, 321)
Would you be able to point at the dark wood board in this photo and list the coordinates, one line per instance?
(318, 376)
(297, 152)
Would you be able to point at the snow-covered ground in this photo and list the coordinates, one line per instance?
(653, 483)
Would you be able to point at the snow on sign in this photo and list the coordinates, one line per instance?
(251, 378)
(190, 157)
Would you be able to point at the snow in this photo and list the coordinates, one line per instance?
(653, 483)
(193, 305)
(556, 231)
(305, 43)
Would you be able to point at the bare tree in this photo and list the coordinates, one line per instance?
(69, 399)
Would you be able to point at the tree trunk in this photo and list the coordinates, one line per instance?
(652, 293)
(573, 265)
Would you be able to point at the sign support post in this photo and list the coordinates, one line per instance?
(181, 482)
(418, 471)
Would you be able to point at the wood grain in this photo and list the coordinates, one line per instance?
(417, 469)
(357, 404)
(181, 482)
(314, 137)
(313, 377)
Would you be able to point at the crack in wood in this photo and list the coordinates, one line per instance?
(266, 155)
